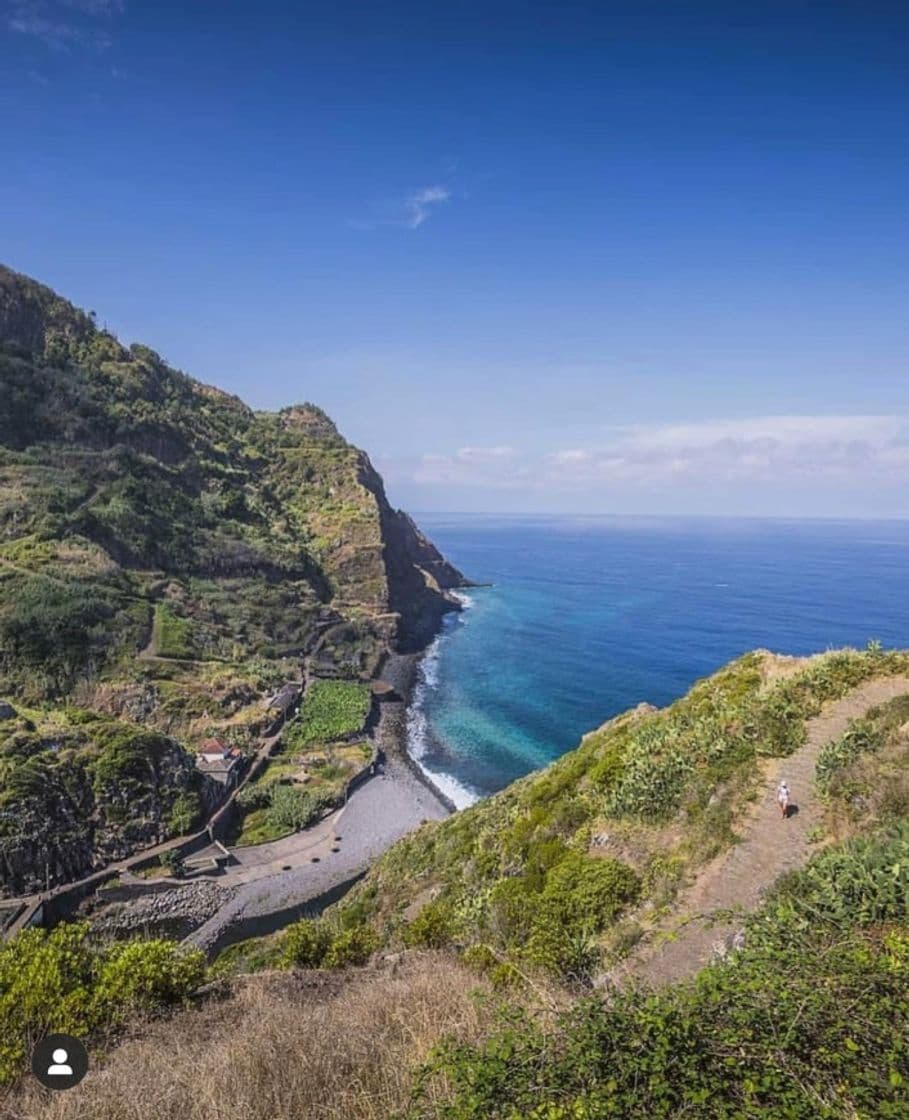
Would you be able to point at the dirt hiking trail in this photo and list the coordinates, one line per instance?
(701, 927)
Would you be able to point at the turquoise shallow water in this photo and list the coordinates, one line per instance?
(591, 616)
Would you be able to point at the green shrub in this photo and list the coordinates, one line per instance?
(59, 982)
(807, 1022)
(305, 944)
(861, 737)
(586, 892)
(173, 863)
(351, 947)
(860, 882)
(313, 943)
(144, 975)
(293, 809)
(173, 635)
(581, 897)
(184, 813)
(512, 908)
(432, 927)
(651, 783)
(255, 795)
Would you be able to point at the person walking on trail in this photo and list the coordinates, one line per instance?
(782, 798)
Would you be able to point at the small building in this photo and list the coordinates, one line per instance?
(283, 704)
(219, 761)
(385, 692)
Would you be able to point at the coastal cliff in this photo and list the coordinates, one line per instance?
(168, 557)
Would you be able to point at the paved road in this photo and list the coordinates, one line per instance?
(283, 875)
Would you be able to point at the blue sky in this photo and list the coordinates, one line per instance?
(595, 257)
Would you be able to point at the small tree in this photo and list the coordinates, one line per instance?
(173, 863)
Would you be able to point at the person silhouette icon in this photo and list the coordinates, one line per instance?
(60, 1061)
(60, 1068)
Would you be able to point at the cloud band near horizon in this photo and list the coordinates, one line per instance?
(764, 450)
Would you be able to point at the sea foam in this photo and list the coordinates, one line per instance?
(419, 735)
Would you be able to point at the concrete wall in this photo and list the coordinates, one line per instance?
(261, 925)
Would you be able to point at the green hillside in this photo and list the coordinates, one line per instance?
(168, 555)
(497, 1009)
(565, 869)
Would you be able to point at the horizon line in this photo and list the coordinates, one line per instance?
(562, 515)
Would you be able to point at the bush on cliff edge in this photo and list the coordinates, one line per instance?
(59, 981)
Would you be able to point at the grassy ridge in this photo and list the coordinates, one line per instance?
(807, 1022)
(649, 796)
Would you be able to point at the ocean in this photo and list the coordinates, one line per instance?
(590, 616)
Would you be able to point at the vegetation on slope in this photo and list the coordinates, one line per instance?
(540, 874)
(333, 710)
(78, 789)
(145, 517)
(61, 982)
(807, 1021)
(281, 1045)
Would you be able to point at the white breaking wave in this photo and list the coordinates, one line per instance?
(459, 795)
(419, 741)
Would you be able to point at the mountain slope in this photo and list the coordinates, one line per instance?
(806, 1020)
(567, 868)
(168, 555)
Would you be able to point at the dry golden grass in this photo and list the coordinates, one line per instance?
(282, 1046)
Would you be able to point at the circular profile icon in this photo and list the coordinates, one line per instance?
(60, 1061)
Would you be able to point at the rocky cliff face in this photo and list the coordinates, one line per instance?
(76, 797)
(158, 538)
(418, 577)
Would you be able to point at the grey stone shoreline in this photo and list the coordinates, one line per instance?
(400, 671)
(381, 811)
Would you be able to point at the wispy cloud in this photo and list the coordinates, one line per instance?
(95, 7)
(773, 449)
(485, 454)
(64, 24)
(501, 467)
(420, 204)
(410, 212)
(824, 452)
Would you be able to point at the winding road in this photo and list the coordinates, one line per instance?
(278, 878)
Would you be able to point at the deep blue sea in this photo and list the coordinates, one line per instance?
(589, 616)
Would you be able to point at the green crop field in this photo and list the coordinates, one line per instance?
(332, 710)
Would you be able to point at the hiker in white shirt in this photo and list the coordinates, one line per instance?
(782, 798)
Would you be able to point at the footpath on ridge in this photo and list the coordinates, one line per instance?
(709, 913)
